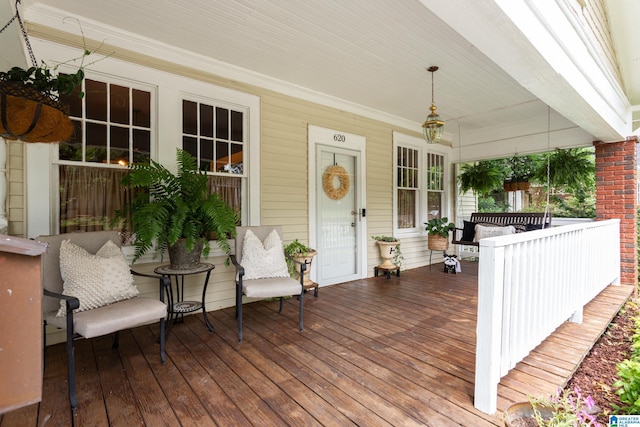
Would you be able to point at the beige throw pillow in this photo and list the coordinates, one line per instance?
(483, 231)
(96, 280)
(263, 260)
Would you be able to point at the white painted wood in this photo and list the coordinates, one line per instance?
(529, 284)
(334, 53)
(4, 222)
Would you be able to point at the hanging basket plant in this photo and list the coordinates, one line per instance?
(31, 115)
(30, 106)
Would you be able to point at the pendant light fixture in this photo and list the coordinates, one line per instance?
(433, 126)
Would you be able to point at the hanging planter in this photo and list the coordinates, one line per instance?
(30, 106)
(32, 116)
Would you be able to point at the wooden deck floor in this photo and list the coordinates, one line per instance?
(374, 352)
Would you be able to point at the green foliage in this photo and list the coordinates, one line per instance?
(628, 383)
(521, 168)
(172, 207)
(489, 204)
(296, 249)
(47, 80)
(481, 177)
(44, 80)
(581, 204)
(439, 226)
(569, 169)
(385, 238)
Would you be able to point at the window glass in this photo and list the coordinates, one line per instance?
(407, 191)
(435, 185)
(419, 188)
(112, 128)
(214, 135)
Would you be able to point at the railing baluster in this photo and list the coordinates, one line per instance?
(529, 284)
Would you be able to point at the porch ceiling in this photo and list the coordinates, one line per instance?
(369, 57)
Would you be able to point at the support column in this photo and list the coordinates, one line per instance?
(617, 197)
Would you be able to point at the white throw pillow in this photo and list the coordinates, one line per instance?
(96, 280)
(263, 260)
(483, 231)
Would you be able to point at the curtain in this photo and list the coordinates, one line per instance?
(90, 196)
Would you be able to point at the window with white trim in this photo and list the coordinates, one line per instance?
(215, 134)
(112, 128)
(419, 187)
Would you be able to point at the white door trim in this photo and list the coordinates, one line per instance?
(343, 140)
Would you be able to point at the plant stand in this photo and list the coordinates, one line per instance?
(386, 271)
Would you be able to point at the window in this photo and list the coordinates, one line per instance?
(215, 135)
(407, 188)
(112, 128)
(419, 185)
(133, 113)
(434, 185)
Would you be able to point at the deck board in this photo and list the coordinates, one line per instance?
(375, 352)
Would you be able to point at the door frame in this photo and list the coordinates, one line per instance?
(333, 138)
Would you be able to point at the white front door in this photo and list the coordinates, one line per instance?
(337, 214)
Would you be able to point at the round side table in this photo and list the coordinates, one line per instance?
(177, 306)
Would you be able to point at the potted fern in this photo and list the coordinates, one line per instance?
(176, 211)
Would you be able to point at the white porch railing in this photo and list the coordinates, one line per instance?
(528, 285)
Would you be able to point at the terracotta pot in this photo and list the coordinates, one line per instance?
(509, 186)
(181, 259)
(31, 116)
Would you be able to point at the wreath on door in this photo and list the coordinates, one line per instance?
(328, 176)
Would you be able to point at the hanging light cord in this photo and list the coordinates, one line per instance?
(24, 33)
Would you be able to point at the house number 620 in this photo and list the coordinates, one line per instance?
(338, 137)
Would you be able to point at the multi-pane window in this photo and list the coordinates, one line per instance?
(215, 135)
(112, 128)
(112, 124)
(434, 184)
(408, 175)
(420, 185)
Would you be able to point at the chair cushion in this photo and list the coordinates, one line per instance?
(96, 280)
(263, 260)
(483, 231)
(114, 317)
(272, 287)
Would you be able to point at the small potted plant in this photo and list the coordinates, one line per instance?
(438, 233)
(176, 211)
(390, 252)
(566, 408)
(301, 253)
(519, 171)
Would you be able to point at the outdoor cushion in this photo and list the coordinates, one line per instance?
(271, 287)
(263, 260)
(96, 280)
(468, 231)
(487, 231)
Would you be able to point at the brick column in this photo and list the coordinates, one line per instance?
(617, 197)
